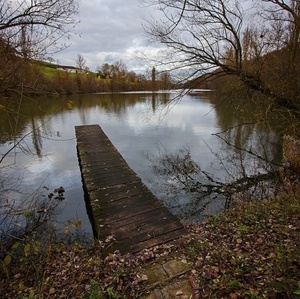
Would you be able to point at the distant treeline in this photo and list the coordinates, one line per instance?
(108, 78)
(28, 76)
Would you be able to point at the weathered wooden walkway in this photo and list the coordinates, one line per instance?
(119, 203)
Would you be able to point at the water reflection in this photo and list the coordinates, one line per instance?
(140, 126)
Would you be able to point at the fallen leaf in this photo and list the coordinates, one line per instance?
(179, 293)
(52, 291)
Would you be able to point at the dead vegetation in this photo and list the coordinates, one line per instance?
(250, 251)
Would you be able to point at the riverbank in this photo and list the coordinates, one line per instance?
(251, 251)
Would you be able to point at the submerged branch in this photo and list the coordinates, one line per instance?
(184, 174)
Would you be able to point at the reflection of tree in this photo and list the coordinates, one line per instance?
(36, 138)
(245, 124)
(28, 215)
(243, 170)
(36, 111)
(153, 102)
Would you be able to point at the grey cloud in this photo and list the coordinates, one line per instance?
(106, 32)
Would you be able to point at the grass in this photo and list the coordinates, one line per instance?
(51, 70)
(94, 292)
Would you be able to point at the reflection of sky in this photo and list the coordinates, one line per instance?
(187, 124)
(135, 132)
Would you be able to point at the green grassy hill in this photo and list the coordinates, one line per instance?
(50, 69)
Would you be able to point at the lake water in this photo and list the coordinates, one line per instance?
(142, 126)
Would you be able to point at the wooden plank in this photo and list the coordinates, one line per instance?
(141, 229)
(118, 202)
(118, 192)
(162, 239)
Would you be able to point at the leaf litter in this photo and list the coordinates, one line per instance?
(251, 251)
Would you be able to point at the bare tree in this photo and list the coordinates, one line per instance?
(28, 29)
(249, 40)
(35, 25)
(251, 45)
(81, 62)
(153, 78)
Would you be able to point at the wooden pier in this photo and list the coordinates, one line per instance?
(119, 204)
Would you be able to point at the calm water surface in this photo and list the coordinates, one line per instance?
(139, 125)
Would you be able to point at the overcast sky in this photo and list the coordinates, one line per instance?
(109, 31)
